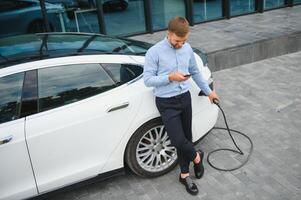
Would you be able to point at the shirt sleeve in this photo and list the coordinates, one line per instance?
(150, 71)
(197, 76)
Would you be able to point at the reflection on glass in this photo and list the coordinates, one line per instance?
(77, 16)
(22, 16)
(269, 4)
(123, 73)
(164, 10)
(59, 86)
(204, 10)
(10, 96)
(124, 17)
(242, 6)
(297, 1)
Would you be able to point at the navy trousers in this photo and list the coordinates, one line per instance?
(176, 114)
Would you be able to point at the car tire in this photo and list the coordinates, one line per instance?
(149, 152)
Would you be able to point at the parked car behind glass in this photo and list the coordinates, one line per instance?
(108, 5)
(24, 16)
(66, 3)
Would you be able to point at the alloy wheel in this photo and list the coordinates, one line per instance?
(154, 152)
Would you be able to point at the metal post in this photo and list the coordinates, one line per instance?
(259, 6)
(189, 11)
(226, 9)
(76, 21)
(100, 16)
(44, 14)
(148, 16)
(62, 22)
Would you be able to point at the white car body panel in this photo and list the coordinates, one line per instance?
(16, 180)
(80, 136)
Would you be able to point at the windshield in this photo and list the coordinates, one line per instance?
(37, 46)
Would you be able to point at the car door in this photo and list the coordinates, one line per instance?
(16, 175)
(82, 117)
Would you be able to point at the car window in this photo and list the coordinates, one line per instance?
(123, 73)
(10, 96)
(62, 85)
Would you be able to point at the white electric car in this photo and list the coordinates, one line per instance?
(74, 107)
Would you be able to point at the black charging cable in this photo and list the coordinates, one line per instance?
(237, 150)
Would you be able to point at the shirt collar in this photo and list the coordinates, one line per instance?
(168, 43)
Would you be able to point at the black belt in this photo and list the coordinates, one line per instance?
(175, 97)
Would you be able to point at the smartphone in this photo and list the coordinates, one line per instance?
(187, 75)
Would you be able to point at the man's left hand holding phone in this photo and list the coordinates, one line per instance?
(178, 76)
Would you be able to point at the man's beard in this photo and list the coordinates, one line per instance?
(176, 46)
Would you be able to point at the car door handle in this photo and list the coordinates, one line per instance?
(6, 140)
(114, 108)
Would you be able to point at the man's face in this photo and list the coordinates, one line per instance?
(176, 41)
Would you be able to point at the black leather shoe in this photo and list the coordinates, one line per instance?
(191, 187)
(199, 168)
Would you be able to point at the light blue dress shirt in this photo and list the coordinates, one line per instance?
(163, 59)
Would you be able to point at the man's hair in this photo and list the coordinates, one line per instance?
(179, 26)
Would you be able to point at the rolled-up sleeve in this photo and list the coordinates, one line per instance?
(150, 71)
(197, 76)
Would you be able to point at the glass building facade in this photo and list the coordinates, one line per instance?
(239, 7)
(163, 10)
(207, 10)
(124, 21)
(269, 4)
(119, 17)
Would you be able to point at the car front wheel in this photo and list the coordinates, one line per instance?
(149, 152)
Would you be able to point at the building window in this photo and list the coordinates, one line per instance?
(242, 6)
(72, 16)
(269, 4)
(25, 17)
(124, 17)
(164, 10)
(121, 17)
(205, 10)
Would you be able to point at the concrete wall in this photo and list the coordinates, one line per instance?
(252, 52)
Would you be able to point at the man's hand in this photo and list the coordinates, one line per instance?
(177, 76)
(213, 96)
